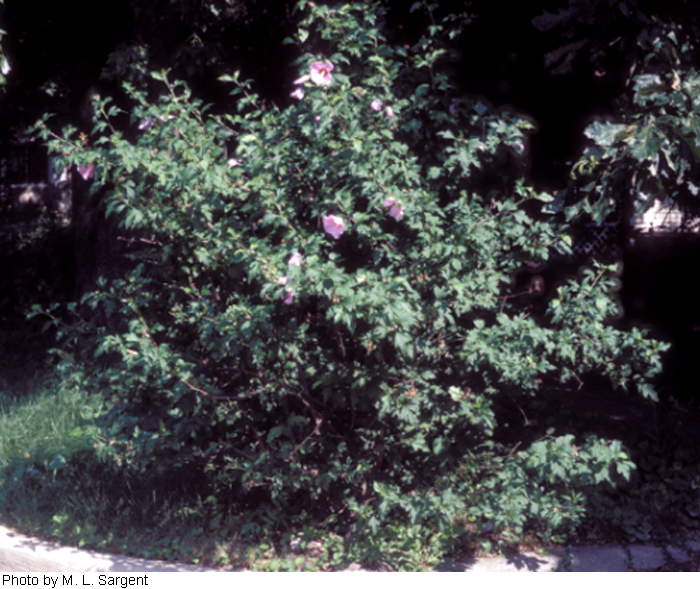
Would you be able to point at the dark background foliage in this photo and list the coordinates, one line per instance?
(561, 71)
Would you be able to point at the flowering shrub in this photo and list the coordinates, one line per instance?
(279, 333)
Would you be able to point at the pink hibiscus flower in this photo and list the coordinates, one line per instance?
(396, 211)
(321, 73)
(333, 226)
(288, 297)
(86, 171)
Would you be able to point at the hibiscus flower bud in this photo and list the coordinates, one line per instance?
(376, 105)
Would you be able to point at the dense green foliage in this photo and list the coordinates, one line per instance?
(317, 315)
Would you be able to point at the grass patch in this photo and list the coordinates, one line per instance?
(41, 425)
(53, 486)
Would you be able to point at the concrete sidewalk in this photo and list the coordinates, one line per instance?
(20, 553)
(606, 558)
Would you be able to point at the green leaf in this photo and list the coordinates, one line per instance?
(604, 133)
(418, 442)
(274, 433)
(57, 462)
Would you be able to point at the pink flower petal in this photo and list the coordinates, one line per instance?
(282, 280)
(298, 93)
(233, 162)
(518, 146)
(389, 112)
(333, 226)
(295, 260)
(147, 124)
(288, 297)
(396, 211)
(86, 171)
(376, 105)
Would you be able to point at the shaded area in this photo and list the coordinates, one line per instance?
(662, 439)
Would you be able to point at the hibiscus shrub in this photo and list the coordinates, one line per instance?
(317, 314)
